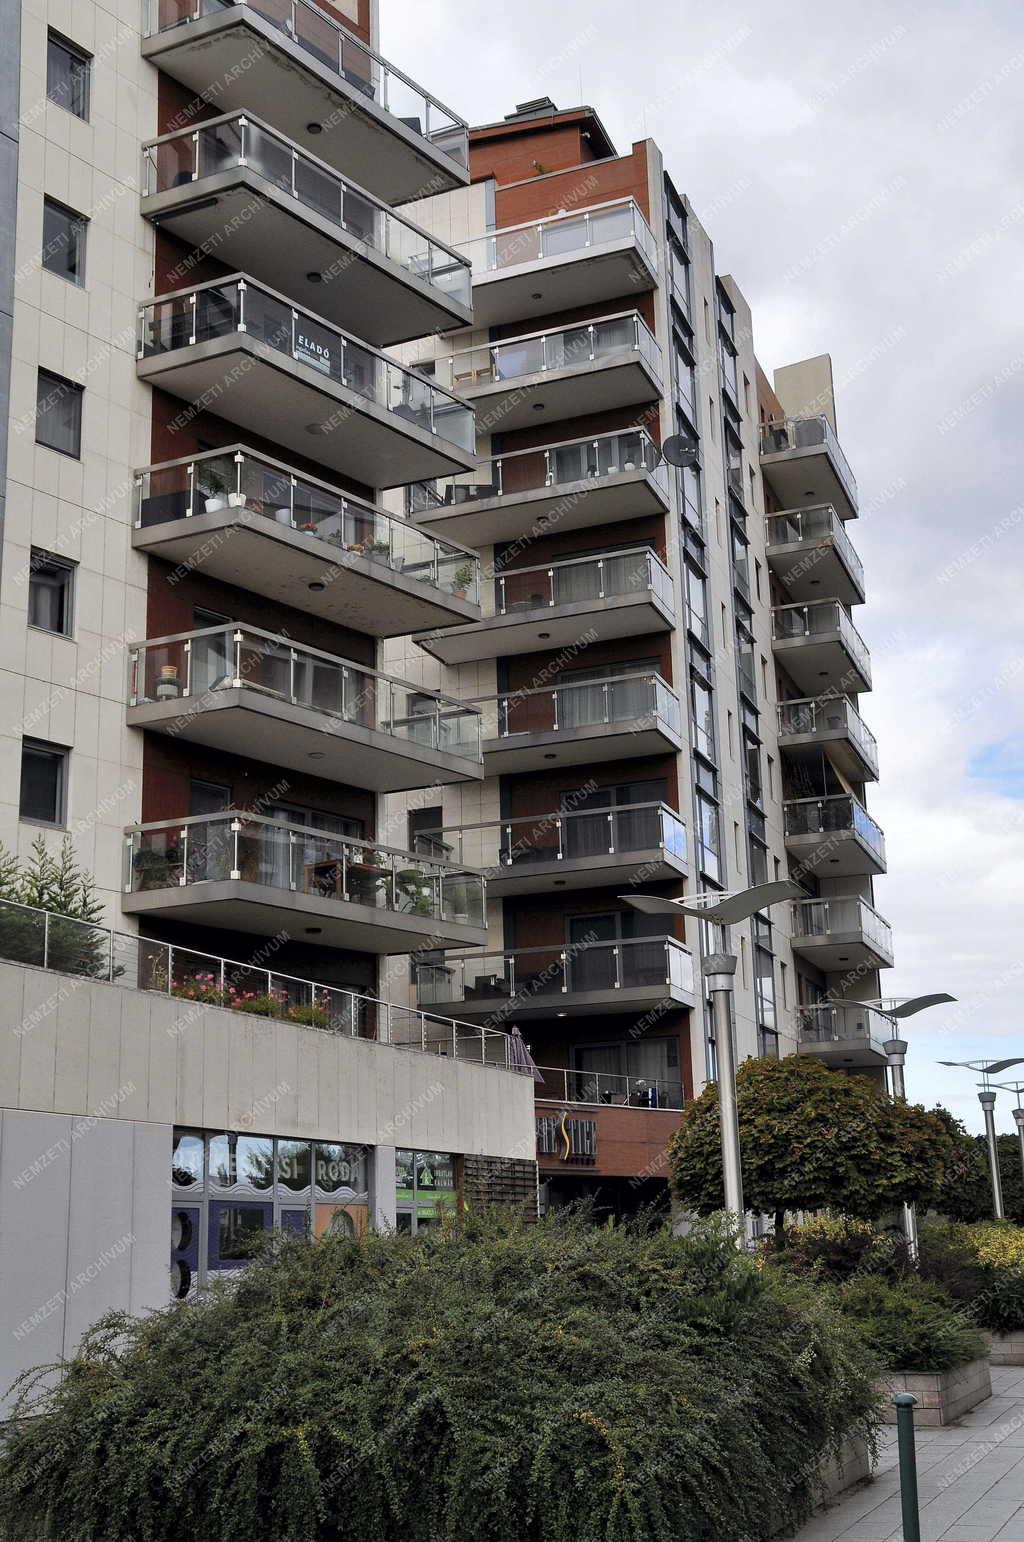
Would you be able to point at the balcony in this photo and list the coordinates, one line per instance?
(820, 648)
(238, 347)
(245, 873)
(575, 849)
(585, 978)
(566, 261)
(40, 939)
(833, 724)
(565, 373)
(844, 1034)
(803, 464)
(248, 692)
(576, 484)
(841, 933)
(811, 554)
(323, 87)
(619, 594)
(834, 837)
(265, 527)
(234, 186)
(623, 717)
(601, 1089)
(609, 1126)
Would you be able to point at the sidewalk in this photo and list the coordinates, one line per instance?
(970, 1477)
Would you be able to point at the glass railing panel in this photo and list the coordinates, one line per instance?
(608, 1089)
(220, 309)
(560, 236)
(562, 349)
(328, 42)
(554, 465)
(807, 433)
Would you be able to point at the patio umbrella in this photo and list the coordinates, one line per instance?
(520, 1057)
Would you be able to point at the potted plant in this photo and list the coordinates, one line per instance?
(215, 490)
(461, 580)
(377, 548)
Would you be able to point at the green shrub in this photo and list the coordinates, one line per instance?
(835, 1248)
(911, 1324)
(982, 1267)
(495, 1383)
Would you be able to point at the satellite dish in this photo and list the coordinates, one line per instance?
(681, 450)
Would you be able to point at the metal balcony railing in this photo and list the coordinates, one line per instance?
(841, 1023)
(561, 235)
(565, 836)
(825, 715)
(842, 915)
(240, 305)
(196, 665)
(657, 962)
(834, 816)
(806, 433)
(43, 939)
(818, 619)
(553, 465)
(249, 848)
(580, 704)
(608, 1090)
(323, 37)
(240, 139)
(561, 348)
(580, 580)
(235, 477)
(819, 522)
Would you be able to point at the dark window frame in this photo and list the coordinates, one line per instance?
(55, 384)
(62, 755)
(54, 205)
(39, 561)
(56, 41)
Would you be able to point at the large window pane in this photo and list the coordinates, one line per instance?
(59, 414)
(63, 241)
(43, 783)
(67, 75)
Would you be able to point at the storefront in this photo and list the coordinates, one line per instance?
(425, 1189)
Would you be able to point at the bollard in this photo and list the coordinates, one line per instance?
(905, 1405)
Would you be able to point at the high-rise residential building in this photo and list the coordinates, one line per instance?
(667, 664)
(366, 648)
(211, 254)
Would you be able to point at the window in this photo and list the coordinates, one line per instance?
(50, 591)
(44, 775)
(708, 839)
(64, 241)
(67, 75)
(59, 414)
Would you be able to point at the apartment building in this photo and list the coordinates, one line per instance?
(211, 254)
(666, 663)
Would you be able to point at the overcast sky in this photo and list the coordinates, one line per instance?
(859, 170)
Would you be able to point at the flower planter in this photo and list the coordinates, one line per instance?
(942, 1396)
(1007, 1348)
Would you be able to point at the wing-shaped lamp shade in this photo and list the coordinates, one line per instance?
(728, 910)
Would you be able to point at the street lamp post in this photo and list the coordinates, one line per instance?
(719, 970)
(896, 1053)
(1018, 1115)
(987, 1099)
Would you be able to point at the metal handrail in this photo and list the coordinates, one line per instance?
(642, 329)
(790, 427)
(348, 42)
(610, 1089)
(642, 233)
(45, 939)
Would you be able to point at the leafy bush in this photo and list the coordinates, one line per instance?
(497, 1383)
(911, 1324)
(982, 1267)
(835, 1248)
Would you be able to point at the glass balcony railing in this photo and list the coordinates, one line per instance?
(607, 1089)
(562, 235)
(249, 848)
(324, 38)
(657, 962)
(43, 939)
(825, 918)
(795, 526)
(838, 1023)
(580, 581)
(196, 665)
(562, 348)
(242, 140)
(553, 465)
(566, 836)
(818, 619)
(827, 715)
(236, 478)
(837, 815)
(808, 433)
(580, 704)
(237, 304)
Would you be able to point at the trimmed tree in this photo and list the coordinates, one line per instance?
(811, 1138)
